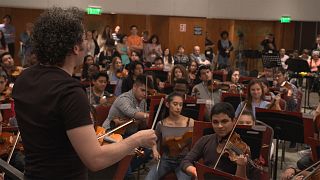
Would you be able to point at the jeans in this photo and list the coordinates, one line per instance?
(223, 62)
(166, 166)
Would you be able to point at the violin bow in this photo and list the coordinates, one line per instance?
(230, 134)
(11, 152)
(157, 114)
(313, 165)
(115, 129)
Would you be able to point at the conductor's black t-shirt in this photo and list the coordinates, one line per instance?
(48, 102)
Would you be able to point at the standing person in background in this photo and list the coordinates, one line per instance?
(25, 44)
(167, 59)
(9, 33)
(305, 55)
(224, 48)
(60, 141)
(152, 49)
(105, 37)
(123, 49)
(90, 46)
(314, 62)
(96, 45)
(268, 44)
(3, 44)
(116, 35)
(135, 42)
(283, 58)
(317, 44)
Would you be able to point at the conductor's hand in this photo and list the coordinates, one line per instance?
(146, 138)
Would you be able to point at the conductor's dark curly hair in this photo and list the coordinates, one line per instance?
(55, 34)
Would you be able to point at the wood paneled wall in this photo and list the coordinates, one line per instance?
(168, 28)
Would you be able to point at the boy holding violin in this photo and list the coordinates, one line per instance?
(206, 148)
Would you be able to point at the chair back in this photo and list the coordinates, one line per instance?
(233, 99)
(205, 172)
(101, 114)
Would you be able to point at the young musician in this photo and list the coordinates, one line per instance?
(255, 98)
(223, 119)
(290, 91)
(52, 108)
(131, 104)
(204, 90)
(97, 94)
(175, 126)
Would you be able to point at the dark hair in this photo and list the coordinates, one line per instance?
(200, 69)
(154, 36)
(3, 54)
(100, 74)
(133, 26)
(224, 33)
(183, 71)
(85, 67)
(172, 95)
(7, 16)
(230, 72)
(223, 107)
(158, 58)
(133, 65)
(55, 34)
(141, 81)
(122, 37)
(105, 34)
(3, 40)
(169, 55)
(264, 81)
(281, 70)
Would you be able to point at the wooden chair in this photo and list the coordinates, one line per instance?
(101, 114)
(245, 79)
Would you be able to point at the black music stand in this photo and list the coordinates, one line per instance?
(271, 60)
(296, 66)
(287, 126)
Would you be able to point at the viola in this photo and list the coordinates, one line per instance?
(17, 71)
(216, 84)
(235, 147)
(177, 144)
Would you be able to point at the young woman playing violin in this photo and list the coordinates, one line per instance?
(174, 139)
(206, 148)
(255, 98)
(233, 77)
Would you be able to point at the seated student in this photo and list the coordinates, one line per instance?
(289, 91)
(255, 98)
(246, 118)
(88, 60)
(130, 105)
(192, 72)
(233, 77)
(181, 86)
(135, 69)
(158, 62)
(7, 64)
(223, 119)
(97, 94)
(180, 57)
(205, 90)
(173, 126)
(178, 72)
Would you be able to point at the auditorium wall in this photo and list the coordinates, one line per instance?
(168, 28)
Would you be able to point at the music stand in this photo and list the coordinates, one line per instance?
(296, 66)
(287, 126)
(271, 60)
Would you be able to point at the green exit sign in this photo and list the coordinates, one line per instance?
(285, 19)
(94, 10)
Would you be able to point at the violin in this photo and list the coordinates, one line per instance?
(122, 74)
(275, 103)
(17, 71)
(235, 147)
(217, 84)
(177, 144)
(111, 137)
